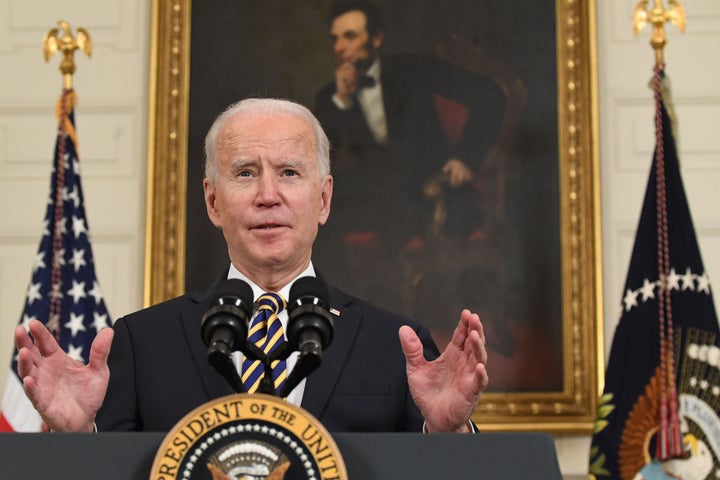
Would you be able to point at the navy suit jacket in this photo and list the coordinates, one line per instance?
(159, 370)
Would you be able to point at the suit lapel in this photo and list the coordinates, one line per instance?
(321, 383)
(215, 385)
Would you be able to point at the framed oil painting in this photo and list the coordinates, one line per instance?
(517, 242)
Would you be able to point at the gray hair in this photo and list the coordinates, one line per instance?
(265, 106)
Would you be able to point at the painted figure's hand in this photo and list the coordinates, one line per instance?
(457, 172)
(346, 82)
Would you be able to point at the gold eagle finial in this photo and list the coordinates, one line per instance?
(658, 16)
(61, 39)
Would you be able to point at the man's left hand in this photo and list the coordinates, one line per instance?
(457, 172)
(447, 389)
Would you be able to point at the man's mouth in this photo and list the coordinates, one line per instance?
(267, 226)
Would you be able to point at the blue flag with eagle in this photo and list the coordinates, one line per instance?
(658, 416)
(63, 292)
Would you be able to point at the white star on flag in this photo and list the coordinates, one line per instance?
(630, 299)
(75, 324)
(78, 259)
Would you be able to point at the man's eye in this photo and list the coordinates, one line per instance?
(289, 173)
(244, 173)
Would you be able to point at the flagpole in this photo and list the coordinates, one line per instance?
(61, 39)
(669, 443)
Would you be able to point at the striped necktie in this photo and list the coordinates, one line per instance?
(266, 332)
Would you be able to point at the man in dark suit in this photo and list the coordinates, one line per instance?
(382, 116)
(268, 187)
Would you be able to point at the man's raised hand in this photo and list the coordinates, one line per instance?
(66, 393)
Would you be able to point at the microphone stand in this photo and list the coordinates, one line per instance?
(222, 362)
(305, 365)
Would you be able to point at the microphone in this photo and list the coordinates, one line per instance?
(309, 329)
(310, 326)
(224, 327)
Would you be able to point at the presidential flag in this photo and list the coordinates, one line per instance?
(63, 292)
(658, 416)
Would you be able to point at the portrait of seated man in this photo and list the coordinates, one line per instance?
(393, 142)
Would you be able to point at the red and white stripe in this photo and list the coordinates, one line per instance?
(17, 413)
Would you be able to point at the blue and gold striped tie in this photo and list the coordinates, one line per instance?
(266, 332)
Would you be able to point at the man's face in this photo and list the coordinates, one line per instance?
(351, 41)
(268, 196)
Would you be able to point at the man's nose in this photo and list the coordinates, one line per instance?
(268, 189)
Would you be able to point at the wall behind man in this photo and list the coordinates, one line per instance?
(112, 128)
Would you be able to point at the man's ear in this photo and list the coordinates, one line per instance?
(211, 203)
(378, 39)
(325, 199)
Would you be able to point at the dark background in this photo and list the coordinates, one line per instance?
(281, 48)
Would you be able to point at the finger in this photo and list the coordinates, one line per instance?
(462, 329)
(474, 324)
(463, 178)
(411, 346)
(477, 362)
(476, 333)
(100, 348)
(475, 348)
(25, 362)
(346, 71)
(31, 389)
(482, 376)
(346, 66)
(44, 340)
(456, 177)
(477, 326)
(480, 328)
(22, 339)
(29, 355)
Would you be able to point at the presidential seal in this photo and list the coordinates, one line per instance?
(698, 399)
(248, 437)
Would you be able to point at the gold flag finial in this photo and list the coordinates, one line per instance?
(62, 39)
(658, 16)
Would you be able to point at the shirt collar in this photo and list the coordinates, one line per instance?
(257, 291)
(374, 71)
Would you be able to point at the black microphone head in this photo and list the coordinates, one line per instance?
(234, 287)
(308, 312)
(230, 310)
(308, 286)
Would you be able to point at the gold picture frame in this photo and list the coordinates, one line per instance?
(569, 410)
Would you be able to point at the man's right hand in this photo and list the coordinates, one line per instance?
(346, 82)
(66, 393)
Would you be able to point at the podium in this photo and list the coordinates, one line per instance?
(367, 456)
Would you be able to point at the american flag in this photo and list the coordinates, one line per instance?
(63, 293)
